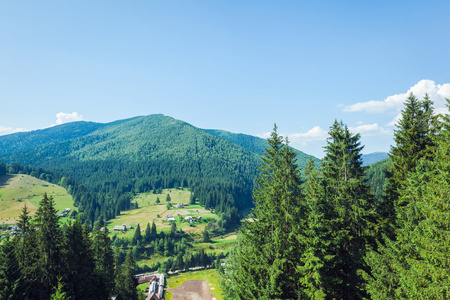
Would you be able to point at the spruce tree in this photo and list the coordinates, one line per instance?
(137, 236)
(317, 256)
(148, 234)
(154, 234)
(413, 138)
(49, 239)
(126, 282)
(11, 280)
(80, 281)
(416, 263)
(104, 262)
(350, 214)
(263, 262)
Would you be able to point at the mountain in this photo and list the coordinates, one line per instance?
(372, 158)
(257, 145)
(104, 165)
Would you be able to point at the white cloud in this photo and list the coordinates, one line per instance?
(437, 93)
(315, 135)
(9, 130)
(370, 130)
(395, 120)
(62, 118)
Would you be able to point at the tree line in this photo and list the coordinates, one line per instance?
(324, 235)
(48, 261)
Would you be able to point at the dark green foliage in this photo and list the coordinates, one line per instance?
(206, 238)
(137, 236)
(263, 263)
(52, 262)
(173, 230)
(349, 211)
(415, 264)
(11, 280)
(125, 281)
(49, 236)
(309, 243)
(376, 177)
(413, 139)
(3, 169)
(104, 262)
(318, 256)
(148, 234)
(79, 264)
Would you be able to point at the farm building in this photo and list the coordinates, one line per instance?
(146, 278)
(171, 219)
(120, 228)
(179, 205)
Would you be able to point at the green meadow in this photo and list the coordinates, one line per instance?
(18, 189)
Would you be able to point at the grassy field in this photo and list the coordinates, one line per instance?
(211, 276)
(148, 211)
(18, 190)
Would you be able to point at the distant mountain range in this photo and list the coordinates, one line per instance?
(372, 158)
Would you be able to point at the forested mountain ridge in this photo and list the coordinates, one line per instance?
(258, 145)
(113, 161)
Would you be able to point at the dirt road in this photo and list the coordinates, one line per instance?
(192, 290)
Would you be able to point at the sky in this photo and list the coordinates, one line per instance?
(239, 66)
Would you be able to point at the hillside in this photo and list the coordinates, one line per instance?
(106, 164)
(18, 190)
(257, 145)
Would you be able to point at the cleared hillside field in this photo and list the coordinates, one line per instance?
(18, 189)
(148, 211)
(211, 277)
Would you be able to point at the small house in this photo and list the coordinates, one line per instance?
(67, 210)
(120, 228)
(185, 204)
(169, 216)
(188, 218)
(171, 219)
(179, 205)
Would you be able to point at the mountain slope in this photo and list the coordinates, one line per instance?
(372, 158)
(108, 163)
(257, 145)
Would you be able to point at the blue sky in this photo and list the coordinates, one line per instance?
(240, 66)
